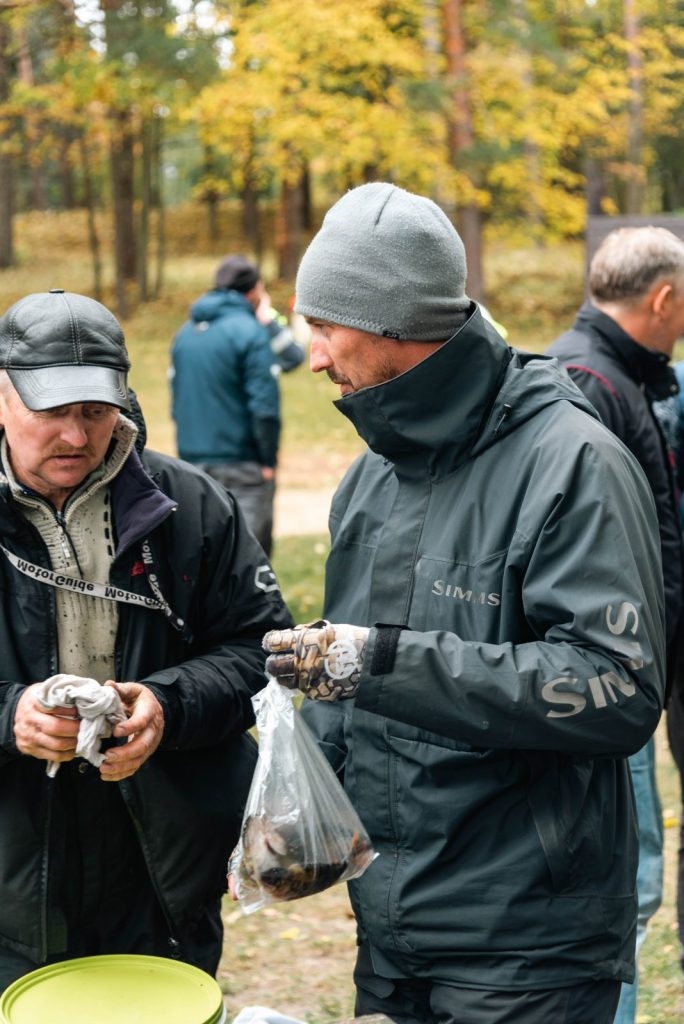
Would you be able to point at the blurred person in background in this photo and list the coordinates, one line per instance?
(226, 359)
(618, 352)
(670, 413)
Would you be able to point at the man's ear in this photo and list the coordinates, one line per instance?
(661, 298)
(255, 294)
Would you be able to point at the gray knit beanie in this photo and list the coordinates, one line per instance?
(388, 262)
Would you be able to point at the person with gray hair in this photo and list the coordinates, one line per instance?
(486, 663)
(618, 353)
(129, 585)
(630, 261)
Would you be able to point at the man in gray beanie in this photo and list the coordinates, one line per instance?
(388, 263)
(486, 662)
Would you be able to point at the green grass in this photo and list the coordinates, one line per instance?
(661, 989)
(299, 564)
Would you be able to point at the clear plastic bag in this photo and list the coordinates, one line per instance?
(300, 833)
(263, 1015)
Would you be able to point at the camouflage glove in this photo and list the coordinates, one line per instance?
(321, 659)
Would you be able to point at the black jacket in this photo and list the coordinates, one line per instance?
(621, 379)
(186, 801)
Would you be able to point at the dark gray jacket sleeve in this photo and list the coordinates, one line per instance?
(591, 678)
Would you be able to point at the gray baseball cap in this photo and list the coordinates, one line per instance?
(59, 347)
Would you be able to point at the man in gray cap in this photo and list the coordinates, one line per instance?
(493, 641)
(226, 359)
(129, 583)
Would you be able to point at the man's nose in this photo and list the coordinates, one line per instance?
(319, 358)
(74, 432)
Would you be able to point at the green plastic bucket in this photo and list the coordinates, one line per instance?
(122, 989)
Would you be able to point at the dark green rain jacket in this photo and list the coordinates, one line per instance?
(515, 542)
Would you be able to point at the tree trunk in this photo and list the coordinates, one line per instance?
(122, 165)
(70, 136)
(635, 170)
(210, 196)
(36, 197)
(66, 171)
(6, 162)
(593, 172)
(89, 200)
(289, 228)
(144, 219)
(307, 205)
(533, 209)
(250, 218)
(158, 203)
(211, 201)
(461, 138)
(122, 162)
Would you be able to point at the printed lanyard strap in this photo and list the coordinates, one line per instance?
(92, 589)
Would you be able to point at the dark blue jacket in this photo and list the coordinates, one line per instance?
(226, 402)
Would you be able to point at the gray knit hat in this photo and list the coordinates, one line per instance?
(388, 262)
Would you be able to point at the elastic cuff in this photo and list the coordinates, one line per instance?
(385, 649)
(170, 705)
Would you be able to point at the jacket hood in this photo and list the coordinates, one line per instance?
(217, 303)
(458, 401)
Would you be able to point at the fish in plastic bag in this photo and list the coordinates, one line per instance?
(300, 833)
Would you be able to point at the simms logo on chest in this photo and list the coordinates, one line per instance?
(440, 588)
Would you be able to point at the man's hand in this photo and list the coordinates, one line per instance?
(321, 659)
(144, 728)
(263, 311)
(50, 735)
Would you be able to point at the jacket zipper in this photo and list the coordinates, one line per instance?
(174, 943)
(45, 870)
(64, 539)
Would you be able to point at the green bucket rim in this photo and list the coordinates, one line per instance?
(117, 968)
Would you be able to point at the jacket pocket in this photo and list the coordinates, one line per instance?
(461, 597)
(580, 840)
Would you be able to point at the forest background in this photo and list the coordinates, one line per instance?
(141, 140)
(515, 115)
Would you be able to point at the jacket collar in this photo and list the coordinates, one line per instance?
(649, 369)
(220, 302)
(428, 418)
(138, 504)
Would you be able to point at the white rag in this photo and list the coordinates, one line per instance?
(263, 1015)
(99, 707)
